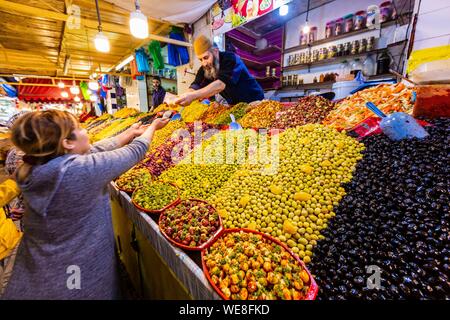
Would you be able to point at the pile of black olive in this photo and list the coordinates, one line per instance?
(395, 216)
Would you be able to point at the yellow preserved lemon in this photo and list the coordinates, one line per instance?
(244, 200)
(252, 226)
(302, 196)
(223, 213)
(276, 189)
(289, 227)
(326, 163)
(306, 168)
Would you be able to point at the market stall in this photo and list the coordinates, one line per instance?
(296, 197)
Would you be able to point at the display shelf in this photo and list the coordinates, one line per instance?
(331, 61)
(267, 79)
(241, 43)
(307, 86)
(169, 79)
(270, 49)
(260, 65)
(339, 37)
(381, 77)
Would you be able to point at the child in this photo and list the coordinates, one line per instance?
(67, 251)
(9, 235)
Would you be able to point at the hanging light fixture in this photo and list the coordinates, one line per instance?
(306, 27)
(61, 84)
(101, 41)
(93, 85)
(138, 23)
(284, 10)
(64, 94)
(77, 99)
(74, 89)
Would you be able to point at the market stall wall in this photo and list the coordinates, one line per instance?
(432, 27)
(137, 96)
(184, 79)
(320, 16)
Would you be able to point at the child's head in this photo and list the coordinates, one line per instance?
(45, 135)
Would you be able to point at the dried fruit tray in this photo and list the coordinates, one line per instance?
(313, 287)
(159, 211)
(211, 239)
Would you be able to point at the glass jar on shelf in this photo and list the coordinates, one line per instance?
(370, 44)
(347, 49)
(355, 47)
(322, 77)
(329, 29)
(321, 54)
(344, 70)
(348, 23)
(360, 20)
(340, 50)
(369, 67)
(312, 36)
(386, 11)
(303, 38)
(338, 27)
(315, 56)
(362, 46)
(332, 52)
(355, 67)
(307, 57)
(295, 79)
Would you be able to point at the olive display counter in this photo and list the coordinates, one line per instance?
(158, 270)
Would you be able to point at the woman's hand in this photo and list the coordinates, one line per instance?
(160, 123)
(138, 129)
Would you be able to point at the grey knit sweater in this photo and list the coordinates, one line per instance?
(67, 251)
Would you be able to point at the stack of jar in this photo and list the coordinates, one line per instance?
(340, 50)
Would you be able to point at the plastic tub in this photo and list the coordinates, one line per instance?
(313, 288)
(159, 211)
(207, 243)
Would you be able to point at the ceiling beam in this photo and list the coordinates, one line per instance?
(111, 7)
(93, 24)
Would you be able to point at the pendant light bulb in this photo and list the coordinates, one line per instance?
(77, 99)
(93, 85)
(101, 42)
(61, 85)
(64, 94)
(74, 89)
(138, 24)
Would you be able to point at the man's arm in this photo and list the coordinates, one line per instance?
(210, 90)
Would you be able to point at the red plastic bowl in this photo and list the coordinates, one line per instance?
(207, 243)
(159, 211)
(130, 191)
(313, 287)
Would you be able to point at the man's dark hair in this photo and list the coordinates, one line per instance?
(157, 78)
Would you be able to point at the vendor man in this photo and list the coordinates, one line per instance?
(221, 72)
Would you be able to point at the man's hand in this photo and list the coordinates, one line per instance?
(137, 129)
(159, 123)
(186, 98)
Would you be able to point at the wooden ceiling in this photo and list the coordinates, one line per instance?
(38, 36)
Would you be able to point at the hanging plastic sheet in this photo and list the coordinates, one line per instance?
(178, 55)
(155, 50)
(142, 61)
(9, 90)
(85, 90)
(134, 71)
